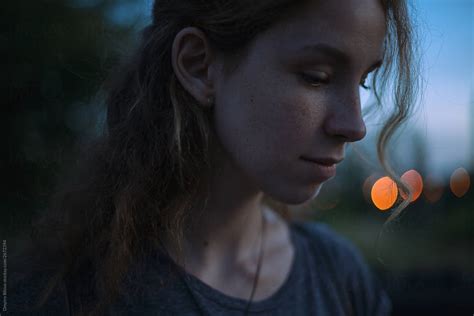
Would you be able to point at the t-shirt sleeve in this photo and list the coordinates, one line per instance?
(365, 293)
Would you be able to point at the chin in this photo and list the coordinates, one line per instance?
(299, 197)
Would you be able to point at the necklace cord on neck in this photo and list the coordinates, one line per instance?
(259, 263)
(257, 273)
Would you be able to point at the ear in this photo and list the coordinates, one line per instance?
(191, 59)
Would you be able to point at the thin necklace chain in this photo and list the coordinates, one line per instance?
(255, 281)
(259, 264)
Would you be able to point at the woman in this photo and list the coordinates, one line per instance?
(229, 111)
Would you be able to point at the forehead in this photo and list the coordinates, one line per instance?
(355, 27)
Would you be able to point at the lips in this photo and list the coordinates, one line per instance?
(322, 168)
(328, 161)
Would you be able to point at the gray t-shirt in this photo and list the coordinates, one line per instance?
(328, 276)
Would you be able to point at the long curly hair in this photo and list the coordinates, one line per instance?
(135, 183)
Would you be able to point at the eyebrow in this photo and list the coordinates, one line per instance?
(337, 54)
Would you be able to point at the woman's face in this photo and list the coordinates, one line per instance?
(296, 94)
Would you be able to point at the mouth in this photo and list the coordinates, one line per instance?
(324, 169)
(329, 161)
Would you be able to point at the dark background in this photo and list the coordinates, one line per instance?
(57, 54)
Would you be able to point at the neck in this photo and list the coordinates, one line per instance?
(224, 236)
(226, 232)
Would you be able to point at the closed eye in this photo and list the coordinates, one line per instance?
(317, 81)
(313, 80)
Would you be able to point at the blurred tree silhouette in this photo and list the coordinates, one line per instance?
(55, 56)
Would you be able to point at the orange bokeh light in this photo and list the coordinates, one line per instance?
(415, 182)
(367, 186)
(384, 193)
(460, 182)
(433, 189)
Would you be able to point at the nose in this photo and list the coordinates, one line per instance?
(344, 119)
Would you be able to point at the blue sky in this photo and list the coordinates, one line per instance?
(444, 118)
(445, 121)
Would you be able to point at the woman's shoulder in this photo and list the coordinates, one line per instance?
(330, 247)
(344, 264)
(326, 239)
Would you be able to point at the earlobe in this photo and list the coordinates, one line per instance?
(191, 59)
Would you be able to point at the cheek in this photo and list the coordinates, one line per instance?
(267, 130)
(265, 127)
(291, 121)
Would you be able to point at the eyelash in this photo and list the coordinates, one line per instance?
(362, 84)
(311, 80)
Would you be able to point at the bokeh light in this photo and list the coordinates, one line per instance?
(433, 189)
(415, 182)
(367, 186)
(460, 182)
(384, 193)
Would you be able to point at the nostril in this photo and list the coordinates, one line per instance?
(346, 123)
(350, 132)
